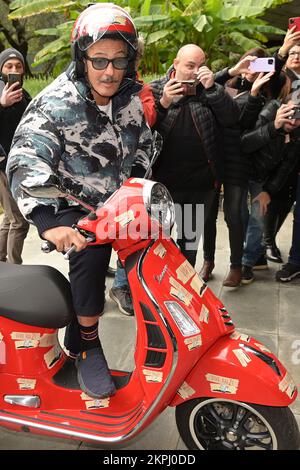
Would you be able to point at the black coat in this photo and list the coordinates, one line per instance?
(271, 158)
(211, 110)
(9, 119)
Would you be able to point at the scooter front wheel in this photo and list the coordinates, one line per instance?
(220, 424)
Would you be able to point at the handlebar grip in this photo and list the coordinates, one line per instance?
(47, 247)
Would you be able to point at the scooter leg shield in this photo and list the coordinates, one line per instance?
(238, 367)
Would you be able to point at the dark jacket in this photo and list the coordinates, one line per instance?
(237, 167)
(271, 158)
(10, 118)
(210, 110)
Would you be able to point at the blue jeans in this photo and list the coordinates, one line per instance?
(120, 277)
(294, 255)
(254, 247)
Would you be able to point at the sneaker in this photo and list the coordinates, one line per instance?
(261, 263)
(93, 374)
(247, 275)
(122, 296)
(287, 272)
(273, 254)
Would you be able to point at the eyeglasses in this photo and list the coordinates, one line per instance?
(294, 54)
(100, 63)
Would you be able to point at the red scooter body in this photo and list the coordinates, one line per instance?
(186, 344)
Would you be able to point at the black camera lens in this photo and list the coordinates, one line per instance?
(270, 61)
(292, 21)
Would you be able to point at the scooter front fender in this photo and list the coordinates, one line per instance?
(239, 367)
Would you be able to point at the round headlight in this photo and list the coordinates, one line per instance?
(159, 204)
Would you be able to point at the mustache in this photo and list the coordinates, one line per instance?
(109, 80)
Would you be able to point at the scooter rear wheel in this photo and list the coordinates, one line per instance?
(216, 424)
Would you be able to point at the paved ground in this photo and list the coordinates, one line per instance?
(267, 310)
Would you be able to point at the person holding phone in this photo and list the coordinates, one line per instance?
(191, 126)
(13, 102)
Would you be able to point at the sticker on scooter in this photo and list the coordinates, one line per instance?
(160, 251)
(222, 384)
(2, 350)
(198, 285)
(204, 314)
(26, 384)
(153, 376)
(92, 404)
(180, 292)
(242, 357)
(27, 344)
(240, 336)
(186, 391)
(19, 335)
(125, 218)
(47, 340)
(52, 357)
(287, 385)
(185, 272)
(194, 342)
(262, 348)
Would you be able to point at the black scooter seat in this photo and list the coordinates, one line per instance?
(35, 295)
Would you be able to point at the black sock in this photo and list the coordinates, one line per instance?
(89, 337)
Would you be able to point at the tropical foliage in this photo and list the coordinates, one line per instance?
(223, 28)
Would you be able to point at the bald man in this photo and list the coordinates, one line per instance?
(190, 117)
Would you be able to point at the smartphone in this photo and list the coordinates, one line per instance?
(296, 114)
(262, 64)
(294, 22)
(14, 78)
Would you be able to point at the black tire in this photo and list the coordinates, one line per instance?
(216, 424)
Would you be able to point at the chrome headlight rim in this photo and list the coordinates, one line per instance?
(148, 190)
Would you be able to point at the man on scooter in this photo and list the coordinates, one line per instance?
(87, 128)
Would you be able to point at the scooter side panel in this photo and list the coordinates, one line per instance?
(240, 368)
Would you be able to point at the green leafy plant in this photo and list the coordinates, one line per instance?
(224, 29)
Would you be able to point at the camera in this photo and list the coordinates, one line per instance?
(294, 22)
(189, 86)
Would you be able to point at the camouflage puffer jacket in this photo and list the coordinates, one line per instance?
(63, 132)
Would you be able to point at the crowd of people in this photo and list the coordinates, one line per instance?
(235, 133)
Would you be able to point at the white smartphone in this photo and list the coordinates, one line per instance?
(262, 64)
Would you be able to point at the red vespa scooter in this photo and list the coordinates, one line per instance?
(229, 391)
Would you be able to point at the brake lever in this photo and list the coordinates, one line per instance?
(73, 248)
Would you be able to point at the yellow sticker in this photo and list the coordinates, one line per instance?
(180, 292)
(219, 379)
(125, 218)
(23, 336)
(242, 356)
(194, 342)
(26, 344)
(160, 251)
(185, 391)
(52, 356)
(1, 336)
(48, 340)
(287, 385)
(96, 404)
(185, 272)
(26, 384)
(223, 388)
(198, 285)
(240, 336)
(204, 314)
(153, 375)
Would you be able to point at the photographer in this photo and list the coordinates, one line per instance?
(190, 119)
(13, 102)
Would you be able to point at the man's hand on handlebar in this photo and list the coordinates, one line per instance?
(64, 238)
